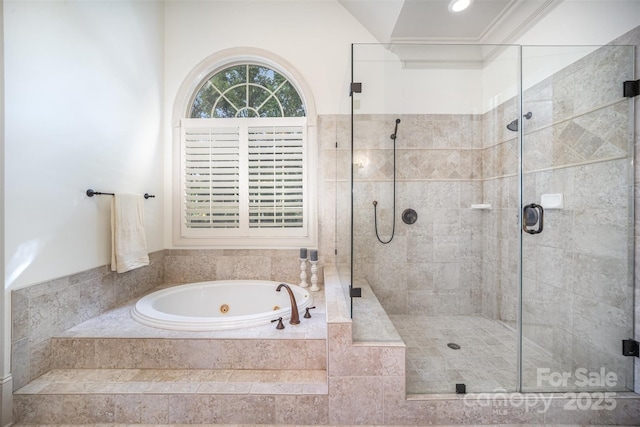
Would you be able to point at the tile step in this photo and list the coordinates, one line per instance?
(188, 353)
(177, 381)
(173, 396)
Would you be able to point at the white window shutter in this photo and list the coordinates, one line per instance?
(276, 176)
(211, 177)
(244, 177)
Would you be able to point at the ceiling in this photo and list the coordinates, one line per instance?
(488, 22)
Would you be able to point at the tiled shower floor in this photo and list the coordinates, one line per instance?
(485, 362)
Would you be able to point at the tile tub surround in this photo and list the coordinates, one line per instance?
(253, 375)
(97, 344)
(196, 265)
(44, 310)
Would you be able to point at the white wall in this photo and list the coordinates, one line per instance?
(584, 22)
(391, 87)
(314, 36)
(83, 106)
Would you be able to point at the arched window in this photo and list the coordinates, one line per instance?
(245, 161)
(247, 90)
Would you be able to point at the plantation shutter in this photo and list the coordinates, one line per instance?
(244, 177)
(276, 176)
(211, 177)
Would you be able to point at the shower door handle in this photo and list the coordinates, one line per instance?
(532, 214)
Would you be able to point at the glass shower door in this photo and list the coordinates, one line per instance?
(577, 218)
(482, 291)
(438, 275)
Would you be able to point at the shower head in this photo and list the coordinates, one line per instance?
(513, 126)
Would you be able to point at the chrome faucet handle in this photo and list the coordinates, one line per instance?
(307, 315)
(280, 324)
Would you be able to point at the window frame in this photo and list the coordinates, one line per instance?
(182, 110)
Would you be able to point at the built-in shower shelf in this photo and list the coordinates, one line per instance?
(481, 206)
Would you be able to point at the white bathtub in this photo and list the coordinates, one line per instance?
(218, 305)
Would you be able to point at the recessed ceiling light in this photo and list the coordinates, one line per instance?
(459, 5)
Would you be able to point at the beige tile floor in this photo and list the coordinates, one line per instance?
(485, 362)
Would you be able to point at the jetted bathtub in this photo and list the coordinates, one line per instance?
(218, 305)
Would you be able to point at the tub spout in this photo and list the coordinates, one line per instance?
(295, 318)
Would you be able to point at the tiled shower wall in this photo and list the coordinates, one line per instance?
(433, 265)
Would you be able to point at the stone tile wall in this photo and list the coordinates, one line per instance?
(43, 310)
(434, 264)
(196, 265)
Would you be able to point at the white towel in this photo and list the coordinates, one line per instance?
(128, 240)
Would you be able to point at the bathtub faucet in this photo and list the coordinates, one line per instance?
(295, 318)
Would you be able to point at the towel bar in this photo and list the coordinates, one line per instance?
(92, 193)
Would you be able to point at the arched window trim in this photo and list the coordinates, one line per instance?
(236, 56)
(181, 110)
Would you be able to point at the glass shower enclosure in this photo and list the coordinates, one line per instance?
(492, 212)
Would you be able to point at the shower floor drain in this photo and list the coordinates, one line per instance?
(453, 346)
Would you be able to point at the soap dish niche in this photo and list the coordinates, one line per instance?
(552, 201)
(481, 206)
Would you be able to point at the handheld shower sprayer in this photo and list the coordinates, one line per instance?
(394, 135)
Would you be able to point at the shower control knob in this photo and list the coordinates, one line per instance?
(307, 315)
(409, 216)
(280, 324)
